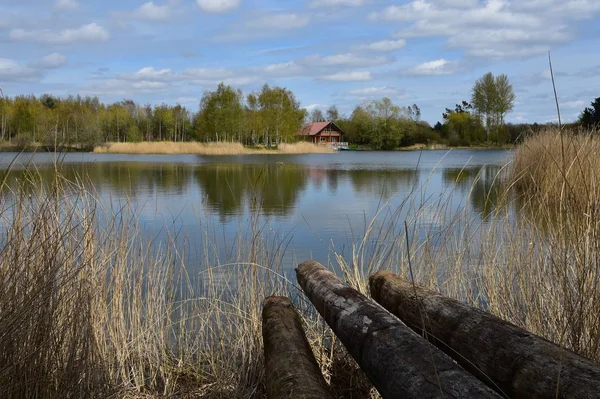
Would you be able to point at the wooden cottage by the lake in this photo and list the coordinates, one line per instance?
(323, 133)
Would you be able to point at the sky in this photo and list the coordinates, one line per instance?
(327, 52)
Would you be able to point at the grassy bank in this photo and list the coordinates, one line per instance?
(6, 146)
(433, 147)
(90, 309)
(169, 147)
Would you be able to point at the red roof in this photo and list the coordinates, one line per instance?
(314, 128)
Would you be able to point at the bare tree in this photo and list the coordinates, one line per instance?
(316, 115)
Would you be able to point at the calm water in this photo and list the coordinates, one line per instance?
(309, 201)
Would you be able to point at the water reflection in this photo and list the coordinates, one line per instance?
(273, 188)
(317, 198)
(232, 189)
(383, 182)
(116, 178)
(481, 184)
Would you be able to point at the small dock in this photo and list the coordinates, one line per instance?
(412, 342)
(341, 146)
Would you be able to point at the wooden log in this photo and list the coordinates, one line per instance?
(513, 360)
(399, 363)
(291, 369)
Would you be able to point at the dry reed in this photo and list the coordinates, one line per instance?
(562, 170)
(221, 148)
(90, 309)
(535, 261)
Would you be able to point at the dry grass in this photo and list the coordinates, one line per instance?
(169, 147)
(534, 262)
(303, 148)
(564, 171)
(91, 309)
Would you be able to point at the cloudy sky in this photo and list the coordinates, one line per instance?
(341, 52)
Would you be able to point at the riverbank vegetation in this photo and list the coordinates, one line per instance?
(216, 148)
(265, 117)
(90, 308)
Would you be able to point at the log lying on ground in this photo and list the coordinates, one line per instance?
(518, 363)
(291, 369)
(399, 363)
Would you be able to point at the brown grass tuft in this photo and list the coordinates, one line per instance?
(562, 171)
(169, 147)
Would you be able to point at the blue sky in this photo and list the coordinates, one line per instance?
(342, 52)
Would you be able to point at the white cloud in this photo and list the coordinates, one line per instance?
(85, 33)
(213, 76)
(425, 13)
(208, 73)
(434, 68)
(148, 73)
(218, 6)
(311, 107)
(343, 60)
(317, 65)
(152, 12)
(66, 5)
(149, 85)
(492, 28)
(289, 68)
(458, 3)
(237, 81)
(351, 76)
(11, 69)
(374, 91)
(385, 45)
(501, 43)
(196, 76)
(337, 3)
(120, 87)
(281, 21)
(54, 60)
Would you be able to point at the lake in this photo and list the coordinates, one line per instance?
(307, 203)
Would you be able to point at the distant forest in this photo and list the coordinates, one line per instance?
(270, 115)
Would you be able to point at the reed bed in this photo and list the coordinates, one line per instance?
(89, 308)
(562, 168)
(303, 148)
(220, 148)
(535, 261)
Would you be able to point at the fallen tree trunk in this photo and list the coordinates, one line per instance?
(291, 369)
(399, 363)
(514, 361)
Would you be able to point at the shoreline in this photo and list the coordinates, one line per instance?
(196, 148)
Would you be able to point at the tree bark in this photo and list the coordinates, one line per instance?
(399, 363)
(508, 358)
(291, 369)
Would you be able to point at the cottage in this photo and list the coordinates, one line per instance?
(322, 133)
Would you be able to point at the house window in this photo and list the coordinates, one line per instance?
(333, 139)
(323, 139)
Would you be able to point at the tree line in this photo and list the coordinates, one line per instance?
(267, 116)
(270, 115)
